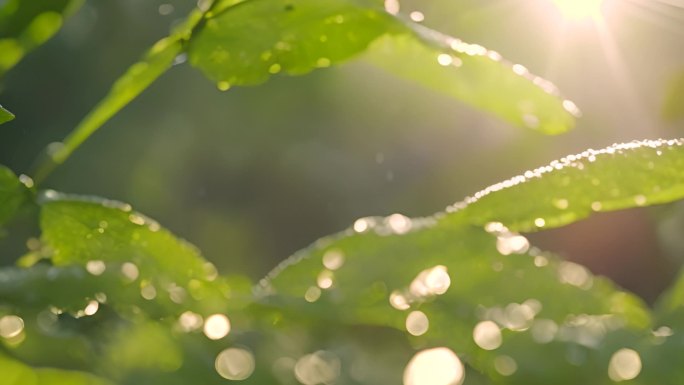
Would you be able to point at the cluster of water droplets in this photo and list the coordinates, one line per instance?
(577, 162)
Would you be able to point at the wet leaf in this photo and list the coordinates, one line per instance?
(101, 235)
(24, 25)
(476, 76)
(246, 43)
(452, 277)
(5, 116)
(639, 173)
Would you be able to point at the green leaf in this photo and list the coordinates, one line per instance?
(466, 267)
(13, 194)
(79, 229)
(476, 76)
(639, 173)
(24, 25)
(246, 43)
(5, 116)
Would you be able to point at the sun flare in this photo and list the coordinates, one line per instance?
(579, 9)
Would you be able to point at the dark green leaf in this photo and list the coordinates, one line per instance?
(5, 116)
(24, 25)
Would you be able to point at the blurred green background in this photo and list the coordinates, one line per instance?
(254, 174)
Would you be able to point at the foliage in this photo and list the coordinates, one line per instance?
(106, 295)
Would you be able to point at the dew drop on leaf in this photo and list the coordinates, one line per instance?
(625, 364)
(321, 367)
(505, 365)
(417, 323)
(487, 335)
(436, 366)
(11, 326)
(235, 364)
(216, 326)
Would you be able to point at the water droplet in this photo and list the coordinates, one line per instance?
(417, 323)
(561, 204)
(520, 69)
(362, 225)
(96, 267)
(399, 301)
(540, 261)
(392, 6)
(487, 335)
(596, 206)
(399, 224)
(572, 108)
(216, 326)
(223, 86)
(539, 222)
(235, 364)
(325, 279)
(640, 200)
(437, 366)
(317, 368)
(130, 271)
(333, 259)
(417, 16)
(663, 331)
(444, 59)
(312, 294)
(510, 243)
(574, 274)
(189, 321)
(136, 219)
(148, 291)
(495, 227)
(625, 364)
(91, 308)
(11, 326)
(429, 282)
(505, 365)
(543, 331)
(177, 294)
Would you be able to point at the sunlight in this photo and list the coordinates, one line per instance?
(579, 9)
